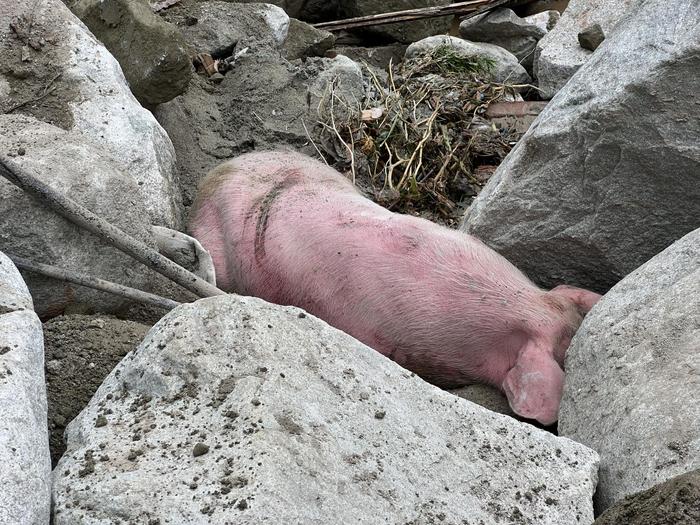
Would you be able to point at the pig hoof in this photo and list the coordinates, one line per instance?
(185, 251)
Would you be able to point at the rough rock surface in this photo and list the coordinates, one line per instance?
(401, 32)
(247, 110)
(608, 175)
(304, 40)
(506, 68)
(55, 70)
(558, 55)
(640, 343)
(673, 502)
(502, 27)
(233, 409)
(151, 52)
(80, 169)
(25, 467)
(80, 351)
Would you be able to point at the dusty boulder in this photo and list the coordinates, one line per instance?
(506, 67)
(79, 168)
(214, 26)
(401, 32)
(502, 27)
(54, 69)
(304, 40)
(25, 467)
(151, 52)
(234, 409)
(673, 502)
(607, 176)
(559, 55)
(640, 345)
(246, 110)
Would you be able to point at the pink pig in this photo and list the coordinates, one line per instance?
(288, 229)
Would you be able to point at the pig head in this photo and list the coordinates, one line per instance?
(291, 230)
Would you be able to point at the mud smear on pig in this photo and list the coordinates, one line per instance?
(264, 207)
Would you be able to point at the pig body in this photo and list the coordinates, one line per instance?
(290, 230)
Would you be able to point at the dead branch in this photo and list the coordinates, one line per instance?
(61, 274)
(466, 9)
(87, 220)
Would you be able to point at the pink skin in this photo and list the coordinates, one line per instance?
(288, 229)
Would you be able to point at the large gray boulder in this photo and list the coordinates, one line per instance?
(25, 467)
(506, 67)
(74, 165)
(151, 52)
(405, 32)
(559, 55)
(609, 174)
(53, 68)
(633, 375)
(236, 410)
(502, 27)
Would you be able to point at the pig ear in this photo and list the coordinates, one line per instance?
(534, 385)
(583, 299)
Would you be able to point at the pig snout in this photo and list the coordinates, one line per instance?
(534, 385)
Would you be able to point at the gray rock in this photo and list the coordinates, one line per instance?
(233, 409)
(304, 40)
(80, 169)
(506, 69)
(673, 502)
(504, 28)
(546, 20)
(558, 55)
(25, 466)
(405, 32)
(220, 24)
(151, 52)
(86, 92)
(608, 175)
(640, 344)
(591, 37)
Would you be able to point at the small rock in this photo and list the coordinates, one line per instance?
(101, 421)
(591, 37)
(507, 69)
(200, 449)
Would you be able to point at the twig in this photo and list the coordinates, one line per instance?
(47, 91)
(472, 8)
(93, 282)
(308, 135)
(84, 218)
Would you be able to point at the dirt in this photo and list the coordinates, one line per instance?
(674, 502)
(29, 60)
(80, 351)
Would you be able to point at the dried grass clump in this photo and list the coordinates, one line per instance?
(421, 137)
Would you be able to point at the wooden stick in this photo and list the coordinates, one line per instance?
(84, 218)
(93, 282)
(471, 8)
